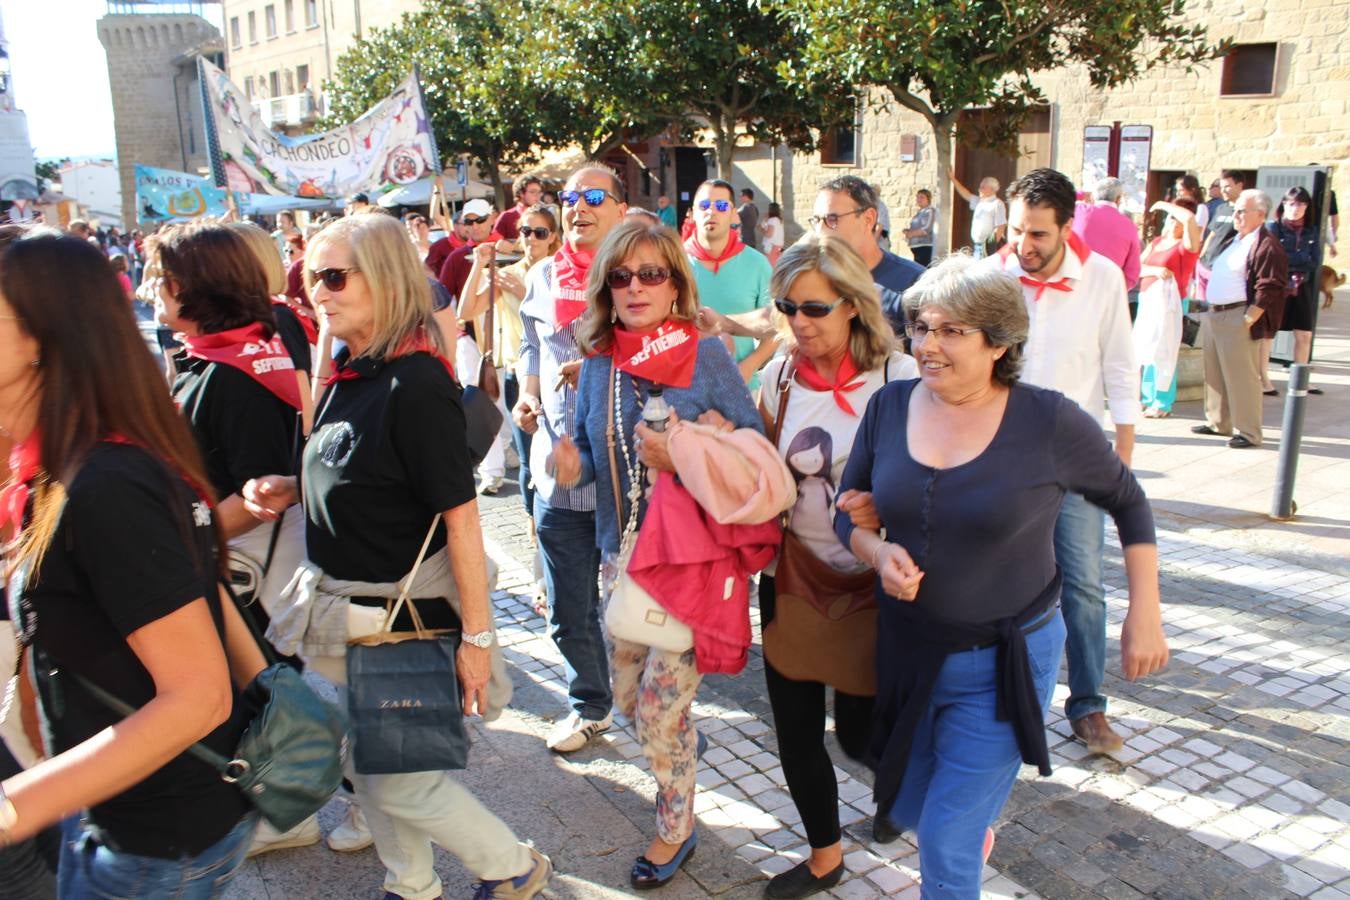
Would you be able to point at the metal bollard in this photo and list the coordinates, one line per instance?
(1283, 507)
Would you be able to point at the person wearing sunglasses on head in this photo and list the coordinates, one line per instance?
(843, 352)
(564, 517)
(639, 335)
(731, 278)
(846, 207)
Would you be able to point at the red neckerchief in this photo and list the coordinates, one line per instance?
(570, 267)
(418, 343)
(665, 355)
(842, 384)
(311, 330)
(24, 464)
(699, 252)
(1076, 244)
(263, 359)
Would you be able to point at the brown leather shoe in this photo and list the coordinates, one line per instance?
(1097, 733)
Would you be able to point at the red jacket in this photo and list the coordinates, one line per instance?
(699, 571)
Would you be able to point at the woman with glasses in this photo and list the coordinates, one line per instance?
(640, 295)
(843, 352)
(966, 469)
(388, 458)
(1296, 227)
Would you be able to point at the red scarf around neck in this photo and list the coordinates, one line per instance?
(1076, 244)
(699, 252)
(570, 268)
(418, 343)
(263, 359)
(843, 380)
(665, 355)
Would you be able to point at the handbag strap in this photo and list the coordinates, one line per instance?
(492, 302)
(785, 376)
(407, 586)
(609, 440)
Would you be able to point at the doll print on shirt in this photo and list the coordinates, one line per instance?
(810, 458)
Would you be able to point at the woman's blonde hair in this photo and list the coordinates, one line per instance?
(399, 291)
(597, 326)
(269, 256)
(871, 340)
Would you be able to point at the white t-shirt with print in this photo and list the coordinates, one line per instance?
(815, 441)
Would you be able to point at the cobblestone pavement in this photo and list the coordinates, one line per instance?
(1234, 781)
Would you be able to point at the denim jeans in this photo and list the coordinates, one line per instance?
(511, 393)
(89, 869)
(963, 764)
(571, 575)
(1080, 538)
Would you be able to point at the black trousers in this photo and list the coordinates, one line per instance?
(922, 255)
(799, 721)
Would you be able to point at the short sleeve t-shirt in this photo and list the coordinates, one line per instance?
(133, 545)
(294, 337)
(387, 454)
(243, 430)
(988, 214)
(741, 285)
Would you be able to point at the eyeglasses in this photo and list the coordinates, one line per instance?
(944, 333)
(721, 205)
(812, 309)
(333, 279)
(539, 233)
(592, 196)
(831, 220)
(651, 276)
(470, 221)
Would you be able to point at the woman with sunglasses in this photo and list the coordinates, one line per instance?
(387, 458)
(966, 470)
(112, 575)
(842, 352)
(1296, 226)
(640, 296)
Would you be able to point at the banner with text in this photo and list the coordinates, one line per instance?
(389, 146)
(163, 195)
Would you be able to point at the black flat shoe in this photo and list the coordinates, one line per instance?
(1238, 442)
(1205, 429)
(1317, 391)
(799, 882)
(883, 832)
(647, 874)
(1271, 393)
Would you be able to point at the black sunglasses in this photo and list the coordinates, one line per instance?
(651, 276)
(333, 279)
(468, 220)
(812, 309)
(722, 205)
(539, 233)
(592, 196)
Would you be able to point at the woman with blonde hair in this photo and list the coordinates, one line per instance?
(388, 456)
(640, 338)
(842, 352)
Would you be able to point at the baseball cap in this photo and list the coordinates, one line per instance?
(477, 207)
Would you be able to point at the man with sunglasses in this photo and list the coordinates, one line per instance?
(564, 518)
(847, 207)
(732, 278)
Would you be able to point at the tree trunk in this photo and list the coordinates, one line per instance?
(724, 144)
(944, 128)
(494, 173)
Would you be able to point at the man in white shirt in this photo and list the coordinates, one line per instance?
(1080, 345)
(988, 217)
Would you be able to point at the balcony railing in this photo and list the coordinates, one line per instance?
(290, 109)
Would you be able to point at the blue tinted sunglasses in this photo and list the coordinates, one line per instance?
(722, 205)
(592, 196)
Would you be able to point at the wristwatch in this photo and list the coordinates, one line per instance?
(9, 817)
(482, 640)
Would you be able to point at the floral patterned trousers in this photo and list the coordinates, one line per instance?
(655, 689)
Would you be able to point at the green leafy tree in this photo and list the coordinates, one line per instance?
(47, 172)
(939, 57)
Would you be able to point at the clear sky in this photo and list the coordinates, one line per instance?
(60, 74)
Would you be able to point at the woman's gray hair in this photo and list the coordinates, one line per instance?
(972, 293)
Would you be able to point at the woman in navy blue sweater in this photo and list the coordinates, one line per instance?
(968, 468)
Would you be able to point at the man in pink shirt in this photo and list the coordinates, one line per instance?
(1108, 231)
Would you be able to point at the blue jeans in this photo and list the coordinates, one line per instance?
(1080, 539)
(571, 575)
(89, 869)
(963, 764)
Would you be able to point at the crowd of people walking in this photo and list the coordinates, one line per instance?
(699, 420)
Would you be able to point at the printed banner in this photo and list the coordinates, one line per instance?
(389, 146)
(165, 195)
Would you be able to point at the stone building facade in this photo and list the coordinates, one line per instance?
(152, 70)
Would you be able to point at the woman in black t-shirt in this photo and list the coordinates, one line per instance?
(387, 459)
(112, 579)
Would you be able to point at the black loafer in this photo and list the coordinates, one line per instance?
(1205, 429)
(799, 882)
(1238, 442)
(647, 874)
(883, 832)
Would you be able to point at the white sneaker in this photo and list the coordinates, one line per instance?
(267, 838)
(352, 833)
(574, 732)
(491, 484)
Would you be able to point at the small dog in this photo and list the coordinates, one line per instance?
(1331, 279)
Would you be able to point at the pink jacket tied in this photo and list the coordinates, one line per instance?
(707, 532)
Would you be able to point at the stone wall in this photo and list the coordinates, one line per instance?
(152, 109)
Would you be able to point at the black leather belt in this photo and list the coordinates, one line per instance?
(1222, 307)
